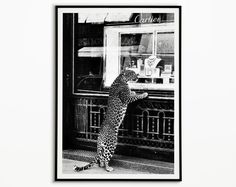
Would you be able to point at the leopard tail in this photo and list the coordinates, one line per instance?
(91, 164)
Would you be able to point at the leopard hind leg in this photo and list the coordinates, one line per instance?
(106, 152)
(109, 154)
(107, 167)
(100, 153)
(101, 163)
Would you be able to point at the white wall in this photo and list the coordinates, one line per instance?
(27, 82)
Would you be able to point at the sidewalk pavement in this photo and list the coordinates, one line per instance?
(121, 164)
(68, 166)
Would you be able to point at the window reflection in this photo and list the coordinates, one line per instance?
(135, 48)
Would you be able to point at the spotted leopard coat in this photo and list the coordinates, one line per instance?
(120, 96)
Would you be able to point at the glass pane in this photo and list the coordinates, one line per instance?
(135, 47)
(165, 51)
(88, 60)
(87, 73)
(165, 43)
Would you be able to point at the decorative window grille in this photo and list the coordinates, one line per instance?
(147, 123)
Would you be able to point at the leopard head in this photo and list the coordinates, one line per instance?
(128, 75)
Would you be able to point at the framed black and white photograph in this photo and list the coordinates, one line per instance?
(118, 93)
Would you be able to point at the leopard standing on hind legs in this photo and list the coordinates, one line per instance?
(120, 96)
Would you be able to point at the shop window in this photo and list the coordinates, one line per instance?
(88, 61)
(106, 46)
(148, 50)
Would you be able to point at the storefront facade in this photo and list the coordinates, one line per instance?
(97, 47)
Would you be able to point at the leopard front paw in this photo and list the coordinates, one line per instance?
(145, 95)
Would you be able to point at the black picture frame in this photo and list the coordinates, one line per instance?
(57, 7)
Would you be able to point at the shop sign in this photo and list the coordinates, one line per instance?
(149, 19)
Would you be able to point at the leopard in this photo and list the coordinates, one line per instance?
(120, 95)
